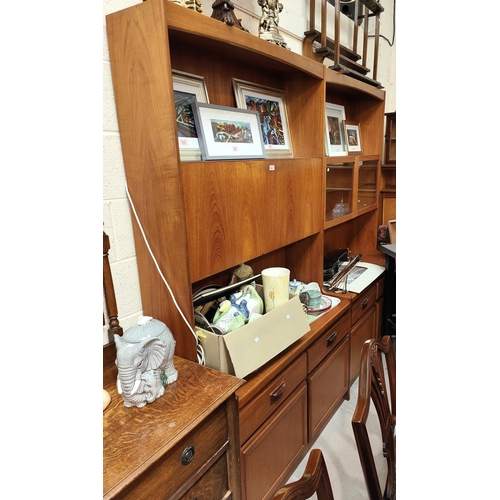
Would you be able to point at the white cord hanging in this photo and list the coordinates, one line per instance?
(199, 348)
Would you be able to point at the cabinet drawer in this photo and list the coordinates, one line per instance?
(165, 478)
(327, 342)
(363, 302)
(271, 397)
(213, 485)
(328, 384)
(272, 453)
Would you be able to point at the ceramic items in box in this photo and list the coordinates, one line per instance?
(238, 310)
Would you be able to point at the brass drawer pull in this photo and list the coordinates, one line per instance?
(365, 303)
(331, 339)
(187, 455)
(278, 392)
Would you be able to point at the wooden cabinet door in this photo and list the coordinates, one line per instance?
(327, 387)
(271, 455)
(363, 330)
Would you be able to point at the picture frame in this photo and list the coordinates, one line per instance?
(226, 133)
(271, 106)
(186, 87)
(353, 138)
(335, 133)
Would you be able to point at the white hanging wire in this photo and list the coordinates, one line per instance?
(199, 348)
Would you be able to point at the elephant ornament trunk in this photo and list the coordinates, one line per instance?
(145, 361)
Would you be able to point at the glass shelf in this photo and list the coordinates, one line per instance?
(339, 190)
(367, 184)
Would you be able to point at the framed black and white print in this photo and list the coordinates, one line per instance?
(226, 133)
(270, 104)
(335, 130)
(186, 88)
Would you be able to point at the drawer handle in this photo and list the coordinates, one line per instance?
(187, 455)
(278, 392)
(331, 339)
(365, 303)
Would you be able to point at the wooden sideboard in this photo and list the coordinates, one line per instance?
(284, 406)
(184, 445)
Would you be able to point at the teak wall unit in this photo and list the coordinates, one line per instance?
(202, 219)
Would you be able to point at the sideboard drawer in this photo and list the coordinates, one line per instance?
(327, 342)
(183, 462)
(213, 485)
(258, 410)
(363, 302)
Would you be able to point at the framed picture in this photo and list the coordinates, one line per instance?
(186, 88)
(226, 133)
(270, 104)
(353, 138)
(335, 130)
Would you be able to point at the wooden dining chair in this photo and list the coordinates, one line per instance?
(314, 480)
(377, 385)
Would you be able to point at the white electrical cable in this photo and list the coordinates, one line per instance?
(199, 348)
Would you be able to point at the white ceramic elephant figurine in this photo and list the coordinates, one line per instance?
(145, 360)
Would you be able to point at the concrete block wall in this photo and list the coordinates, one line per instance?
(117, 222)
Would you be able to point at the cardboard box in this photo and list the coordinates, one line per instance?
(246, 349)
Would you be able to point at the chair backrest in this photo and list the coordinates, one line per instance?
(110, 315)
(374, 382)
(314, 480)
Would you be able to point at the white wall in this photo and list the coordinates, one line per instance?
(116, 214)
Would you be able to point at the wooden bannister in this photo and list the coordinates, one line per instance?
(345, 59)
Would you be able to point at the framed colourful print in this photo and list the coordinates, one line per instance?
(335, 130)
(226, 133)
(270, 104)
(353, 138)
(187, 87)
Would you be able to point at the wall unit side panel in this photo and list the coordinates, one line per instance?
(140, 62)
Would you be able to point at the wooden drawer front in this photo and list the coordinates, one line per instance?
(271, 455)
(363, 302)
(380, 288)
(165, 479)
(272, 396)
(213, 485)
(327, 342)
(327, 387)
(364, 330)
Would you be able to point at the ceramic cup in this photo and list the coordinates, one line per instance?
(275, 281)
(310, 294)
(314, 298)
